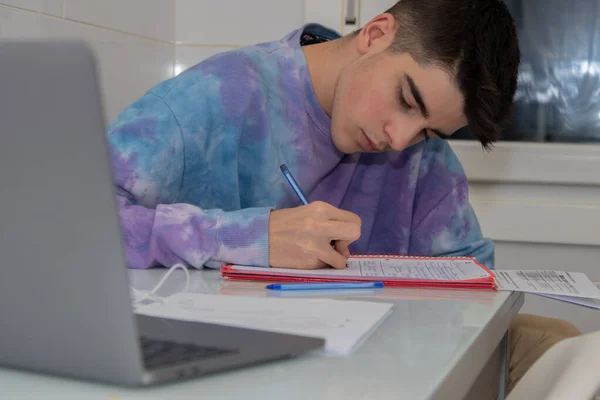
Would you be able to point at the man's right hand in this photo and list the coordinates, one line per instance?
(300, 238)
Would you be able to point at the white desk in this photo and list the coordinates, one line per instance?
(432, 346)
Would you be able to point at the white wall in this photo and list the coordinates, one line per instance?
(142, 42)
(208, 27)
(133, 39)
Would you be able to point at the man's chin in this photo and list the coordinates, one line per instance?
(346, 147)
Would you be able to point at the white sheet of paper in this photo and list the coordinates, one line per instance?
(582, 301)
(406, 268)
(561, 283)
(590, 303)
(343, 324)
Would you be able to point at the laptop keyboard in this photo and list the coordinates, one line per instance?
(162, 353)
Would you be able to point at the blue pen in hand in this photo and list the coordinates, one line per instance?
(293, 183)
(325, 285)
(290, 178)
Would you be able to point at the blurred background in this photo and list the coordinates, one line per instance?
(537, 193)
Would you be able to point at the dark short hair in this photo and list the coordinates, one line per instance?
(476, 41)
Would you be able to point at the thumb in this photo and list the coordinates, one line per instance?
(341, 246)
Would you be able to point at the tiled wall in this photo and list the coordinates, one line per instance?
(210, 26)
(139, 43)
(142, 42)
(206, 27)
(133, 53)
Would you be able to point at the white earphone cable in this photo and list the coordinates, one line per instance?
(140, 296)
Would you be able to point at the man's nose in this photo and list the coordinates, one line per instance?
(403, 134)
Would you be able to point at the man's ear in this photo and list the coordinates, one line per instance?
(377, 34)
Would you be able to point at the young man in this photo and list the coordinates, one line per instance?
(361, 122)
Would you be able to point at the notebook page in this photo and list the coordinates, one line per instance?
(343, 324)
(401, 268)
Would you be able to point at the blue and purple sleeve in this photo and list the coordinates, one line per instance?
(444, 223)
(451, 228)
(147, 151)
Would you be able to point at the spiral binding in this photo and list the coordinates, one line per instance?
(406, 256)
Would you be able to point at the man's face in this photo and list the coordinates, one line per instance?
(386, 101)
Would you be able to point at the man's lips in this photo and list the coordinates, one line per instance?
(366, 143)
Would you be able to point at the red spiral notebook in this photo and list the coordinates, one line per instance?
(393, 270)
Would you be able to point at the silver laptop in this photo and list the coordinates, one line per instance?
(65, 305)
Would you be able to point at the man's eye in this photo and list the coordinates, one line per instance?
(403, 101)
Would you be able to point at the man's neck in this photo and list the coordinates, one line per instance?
(325, 63)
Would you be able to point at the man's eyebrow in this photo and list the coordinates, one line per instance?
(417, 95)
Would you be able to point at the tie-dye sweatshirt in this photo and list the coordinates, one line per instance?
(196, 165)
